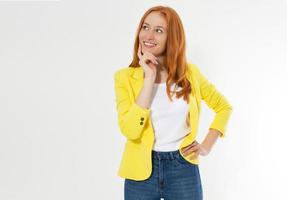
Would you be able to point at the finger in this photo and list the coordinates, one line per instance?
(148, 59)
(194, 143)
(154, 61)
(150, 55)
(190, 150)
(190, 145)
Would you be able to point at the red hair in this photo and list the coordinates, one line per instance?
(175, 58)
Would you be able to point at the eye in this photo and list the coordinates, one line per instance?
(159, 30)
(144, 27)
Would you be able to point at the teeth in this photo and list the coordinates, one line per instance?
(149, 44)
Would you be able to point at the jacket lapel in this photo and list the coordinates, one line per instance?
(136, 80)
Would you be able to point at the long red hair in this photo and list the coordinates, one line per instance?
(175, 58)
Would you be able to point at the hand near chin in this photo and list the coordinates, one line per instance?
(148, 62)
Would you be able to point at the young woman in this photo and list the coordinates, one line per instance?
(158, 98)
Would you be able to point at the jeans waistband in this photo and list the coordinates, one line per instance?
(164, 154)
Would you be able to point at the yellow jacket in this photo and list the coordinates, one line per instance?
(135, 123)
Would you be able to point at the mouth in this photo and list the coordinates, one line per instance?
(149, 44)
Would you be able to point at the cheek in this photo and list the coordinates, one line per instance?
(162, 41)
(141, 36)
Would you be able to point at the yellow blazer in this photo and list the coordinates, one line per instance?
(135, 122)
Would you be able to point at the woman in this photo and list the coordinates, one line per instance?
(158, 101)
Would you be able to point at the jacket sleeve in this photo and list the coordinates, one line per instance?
(131, 117)
(216, 101)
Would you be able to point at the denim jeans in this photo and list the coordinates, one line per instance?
(172, 178)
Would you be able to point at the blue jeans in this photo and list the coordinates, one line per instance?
(172, 178)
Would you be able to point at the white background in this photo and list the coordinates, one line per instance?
(59, 137)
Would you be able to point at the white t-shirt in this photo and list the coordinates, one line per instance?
(168, 119)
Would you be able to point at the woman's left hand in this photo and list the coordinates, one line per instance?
(196, 149)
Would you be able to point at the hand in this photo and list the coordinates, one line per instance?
(148, 62)
(196, 149)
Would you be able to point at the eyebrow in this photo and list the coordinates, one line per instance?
(156, 26)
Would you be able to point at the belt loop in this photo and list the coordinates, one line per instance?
(171, 155)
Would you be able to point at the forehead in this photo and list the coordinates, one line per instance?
(155, 18)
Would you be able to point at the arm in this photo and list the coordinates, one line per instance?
(144, 97)
(210, 139)
(217, 102)
(132, 116)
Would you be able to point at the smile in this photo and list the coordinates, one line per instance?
(149, 45)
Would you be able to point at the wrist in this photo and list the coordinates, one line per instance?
(149, 80)
(206, 147)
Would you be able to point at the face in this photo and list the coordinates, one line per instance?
(153, 34)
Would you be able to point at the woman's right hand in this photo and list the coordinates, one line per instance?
(148, 62)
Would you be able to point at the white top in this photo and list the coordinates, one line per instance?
(168, 119)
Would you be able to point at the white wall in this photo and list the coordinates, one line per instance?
(59, 137)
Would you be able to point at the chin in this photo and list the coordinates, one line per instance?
(153, 51)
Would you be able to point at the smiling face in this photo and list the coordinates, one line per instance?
(153, 34)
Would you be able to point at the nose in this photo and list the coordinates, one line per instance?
(150, 35)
